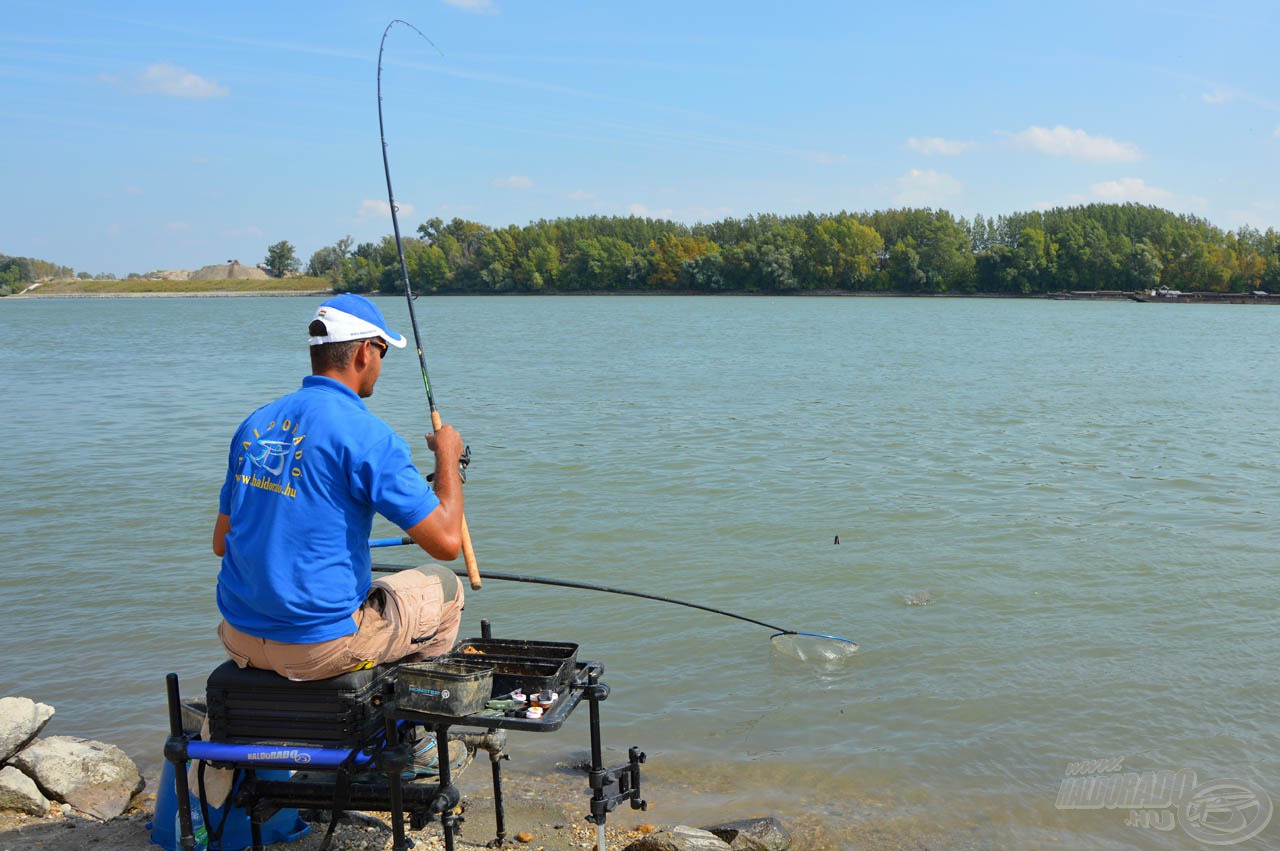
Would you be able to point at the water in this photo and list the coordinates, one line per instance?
(1085, 494)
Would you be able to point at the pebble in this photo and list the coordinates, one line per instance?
(524, 836)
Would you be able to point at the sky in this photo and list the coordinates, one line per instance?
(149, 135)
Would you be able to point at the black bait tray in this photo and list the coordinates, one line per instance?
(531, 666)
(544, 650)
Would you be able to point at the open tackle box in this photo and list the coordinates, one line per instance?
(460, 682)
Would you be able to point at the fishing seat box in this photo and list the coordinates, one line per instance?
(251, 705)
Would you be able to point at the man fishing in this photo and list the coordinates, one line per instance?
(305, 475)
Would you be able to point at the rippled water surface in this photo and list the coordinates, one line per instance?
(1056, 523)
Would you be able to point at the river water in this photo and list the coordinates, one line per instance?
(1085, 494)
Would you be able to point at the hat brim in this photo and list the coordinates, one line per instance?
(344, 327)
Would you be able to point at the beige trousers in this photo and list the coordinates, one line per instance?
(405, 617)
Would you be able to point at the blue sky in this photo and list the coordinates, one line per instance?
(147, 135)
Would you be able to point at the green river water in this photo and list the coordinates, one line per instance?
(1086, 494)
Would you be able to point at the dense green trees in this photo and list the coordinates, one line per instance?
(17, 272)
(1094, 247)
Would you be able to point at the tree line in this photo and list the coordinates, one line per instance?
(1084, 248)
(17, 272)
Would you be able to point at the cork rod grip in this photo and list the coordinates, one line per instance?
(468, 551)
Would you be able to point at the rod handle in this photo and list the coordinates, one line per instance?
(468, 551)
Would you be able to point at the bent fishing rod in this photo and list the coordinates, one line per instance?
(468, 552)
(584, 586)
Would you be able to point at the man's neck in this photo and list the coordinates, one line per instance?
(348, 378)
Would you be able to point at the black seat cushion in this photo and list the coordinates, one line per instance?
(232, 677)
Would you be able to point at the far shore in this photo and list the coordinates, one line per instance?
(312, 287)
(316, 288)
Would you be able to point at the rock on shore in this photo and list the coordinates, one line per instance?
(21, 720)
(19, 793)
(761, 834)
(94, 778)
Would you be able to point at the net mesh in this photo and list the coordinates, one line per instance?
(817, 649)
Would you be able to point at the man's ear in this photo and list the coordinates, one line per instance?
(360, 359)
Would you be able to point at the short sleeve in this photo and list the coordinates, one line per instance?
(394, 485)
(224, 497)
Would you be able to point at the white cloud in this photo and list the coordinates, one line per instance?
(165, 78)
(178, 226)
(370, 209)
(515, 181)
(113, 230)
(937, 146)
(921, 188)
(1258, 212)
(199, 160)
(242, 233)
(133, 190)
(480, 7)
(1219, 96)
(580, 195)
(1275, 134)
(1131, 189)
(683, 214)
(825, 158)
(1077, 145)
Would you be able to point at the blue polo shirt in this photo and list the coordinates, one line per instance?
(304, 477)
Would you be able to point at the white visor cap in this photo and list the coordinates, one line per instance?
(343, 326)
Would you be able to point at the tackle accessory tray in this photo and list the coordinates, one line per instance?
(444, 686)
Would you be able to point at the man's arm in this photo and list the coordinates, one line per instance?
(440, 532)
(221, 527)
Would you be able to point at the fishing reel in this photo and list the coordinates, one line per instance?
(464, 460)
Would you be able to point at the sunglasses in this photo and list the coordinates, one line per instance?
(380, 346)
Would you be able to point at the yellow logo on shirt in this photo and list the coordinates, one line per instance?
(275, 450)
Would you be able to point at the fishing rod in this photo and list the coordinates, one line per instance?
(468, 552)
(584, 586)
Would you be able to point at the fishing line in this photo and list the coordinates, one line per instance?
(800, 643)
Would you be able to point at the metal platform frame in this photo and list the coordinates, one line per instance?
(369, 777)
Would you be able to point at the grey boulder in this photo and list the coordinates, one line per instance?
(95, 778)
(19, 793)
(678, 838)
(21, 720)
(753, 834)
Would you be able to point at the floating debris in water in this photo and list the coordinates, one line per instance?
(922, 597)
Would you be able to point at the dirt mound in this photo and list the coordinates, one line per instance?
(225, 271)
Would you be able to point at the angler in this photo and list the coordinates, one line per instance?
(295, 590)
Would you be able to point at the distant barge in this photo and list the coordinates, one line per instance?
(1164, 295)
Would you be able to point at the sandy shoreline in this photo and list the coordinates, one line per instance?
(550, 804)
